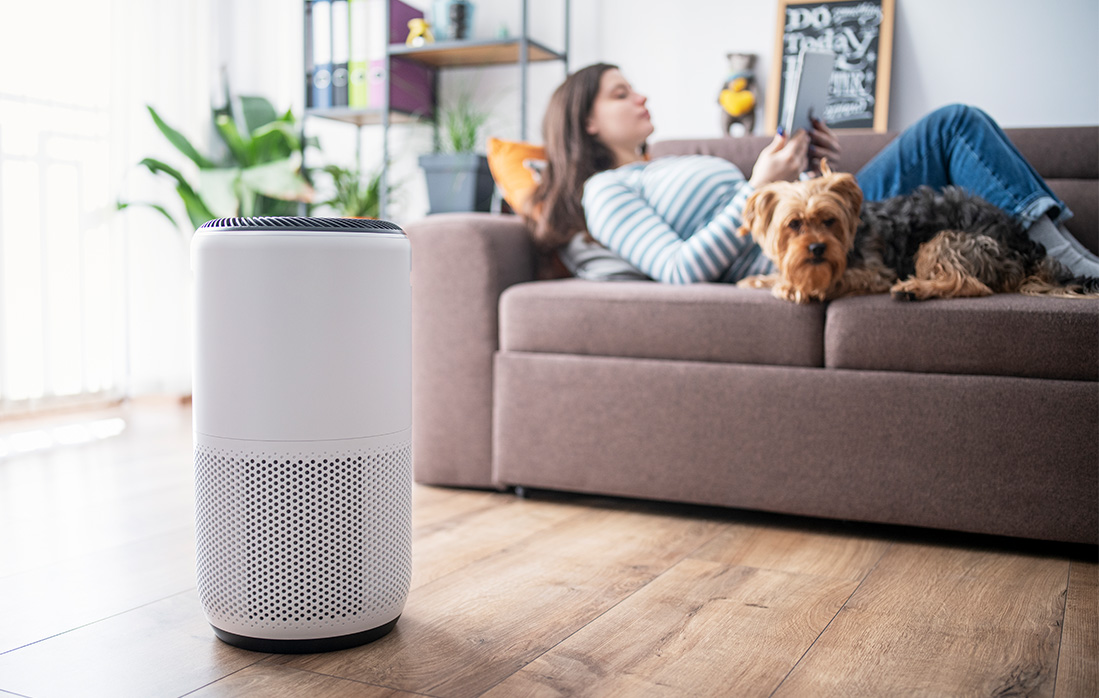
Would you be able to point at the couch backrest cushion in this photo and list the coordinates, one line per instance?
(1067, 157)
(857, 149)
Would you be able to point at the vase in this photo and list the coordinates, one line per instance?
(452, 19)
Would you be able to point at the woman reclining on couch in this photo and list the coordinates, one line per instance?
(675, 219)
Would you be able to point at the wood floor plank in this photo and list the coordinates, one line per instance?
(162, 649)
(465, 632)
(268, 680)
(1078, 665)
(559, 594)
(431, 505)
(795, 549)
(76, 592)
(932, 620)
(92, 526)
(68, 501)
(450, 544)
(700, 629)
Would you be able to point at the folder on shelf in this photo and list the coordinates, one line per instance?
(411, 84)
(399, 16)
(320, 37)
(345, 57)
(340, 40)
(358, 59)
(308, 54)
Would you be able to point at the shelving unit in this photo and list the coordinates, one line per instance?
(520, 51)
(448, 54)
(362, 117)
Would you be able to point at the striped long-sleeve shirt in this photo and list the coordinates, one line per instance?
(675, 218)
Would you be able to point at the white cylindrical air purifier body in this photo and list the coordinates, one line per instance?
(302, 419)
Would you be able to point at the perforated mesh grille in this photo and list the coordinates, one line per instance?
(321, 542)
(358, 225)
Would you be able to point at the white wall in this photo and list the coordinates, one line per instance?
(1026, 63)
(1031, 63)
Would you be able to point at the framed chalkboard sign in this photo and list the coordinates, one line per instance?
(860, 32)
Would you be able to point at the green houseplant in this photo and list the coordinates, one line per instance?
(354, 196)
(259, 175)
(459, 180)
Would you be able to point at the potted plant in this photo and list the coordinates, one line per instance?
(459, 180)
(354, 196)
(259, 175)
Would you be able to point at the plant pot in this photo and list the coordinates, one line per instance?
(457, 182)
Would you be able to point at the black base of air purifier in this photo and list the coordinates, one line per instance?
(311, 646)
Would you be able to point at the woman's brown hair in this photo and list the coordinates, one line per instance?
(554, 212)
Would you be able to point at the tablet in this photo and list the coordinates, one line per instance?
(807, 94)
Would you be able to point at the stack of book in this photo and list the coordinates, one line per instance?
(345, 57)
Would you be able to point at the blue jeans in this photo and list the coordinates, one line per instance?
(963, 146)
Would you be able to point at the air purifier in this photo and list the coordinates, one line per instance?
(302, 430)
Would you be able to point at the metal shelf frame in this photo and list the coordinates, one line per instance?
(521, 51)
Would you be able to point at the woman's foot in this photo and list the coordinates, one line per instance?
(1062, 246)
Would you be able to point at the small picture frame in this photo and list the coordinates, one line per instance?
(860, 32)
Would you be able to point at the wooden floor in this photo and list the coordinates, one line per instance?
(553, 595)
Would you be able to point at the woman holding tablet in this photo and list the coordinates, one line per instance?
(611, 213)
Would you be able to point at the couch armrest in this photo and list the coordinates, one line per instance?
(461, 263)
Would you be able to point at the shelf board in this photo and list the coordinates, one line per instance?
(446, 54)
(364, 117)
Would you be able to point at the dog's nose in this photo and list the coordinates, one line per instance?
(818, 248)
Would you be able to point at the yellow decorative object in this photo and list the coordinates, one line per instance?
(737, 102)
(419, 32)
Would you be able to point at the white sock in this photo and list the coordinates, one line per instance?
(1066, 249)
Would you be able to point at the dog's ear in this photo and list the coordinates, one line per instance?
(758, 211)
(847, 187)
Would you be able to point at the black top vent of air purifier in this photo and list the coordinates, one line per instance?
(277, 223)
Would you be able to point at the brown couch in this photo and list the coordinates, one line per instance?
(975, 415)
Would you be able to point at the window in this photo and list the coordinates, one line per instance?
(93, 302)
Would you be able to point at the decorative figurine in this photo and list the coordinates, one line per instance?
(738, 97)
(419, 32)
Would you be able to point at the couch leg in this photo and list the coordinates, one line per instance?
(521, 492)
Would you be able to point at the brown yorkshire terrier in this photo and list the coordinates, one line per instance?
(827, 243)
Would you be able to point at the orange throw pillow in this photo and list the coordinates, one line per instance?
(511, 165)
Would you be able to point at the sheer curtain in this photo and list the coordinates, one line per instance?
(94, 303)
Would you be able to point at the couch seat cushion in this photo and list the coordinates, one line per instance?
(648, 320)
(1001, 335)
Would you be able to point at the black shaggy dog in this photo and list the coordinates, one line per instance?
(988, 245)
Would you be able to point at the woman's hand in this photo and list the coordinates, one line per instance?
(783, 160)
(822, 144)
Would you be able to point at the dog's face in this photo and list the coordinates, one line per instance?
(806, 228)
